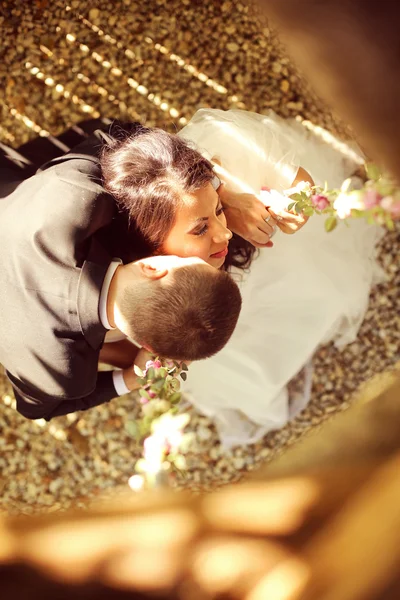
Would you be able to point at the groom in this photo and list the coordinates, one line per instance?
(61, 291)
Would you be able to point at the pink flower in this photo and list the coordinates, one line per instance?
(392, 206)
(319, 201)
(371, 198)
(143, 400)
(155, 364)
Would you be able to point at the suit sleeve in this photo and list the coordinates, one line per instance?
(34, 404)
(57, 268)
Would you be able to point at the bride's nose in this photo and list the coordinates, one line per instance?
(222, 234)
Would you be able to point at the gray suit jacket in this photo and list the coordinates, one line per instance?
(52, 267)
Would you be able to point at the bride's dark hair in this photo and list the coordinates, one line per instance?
(148, 173)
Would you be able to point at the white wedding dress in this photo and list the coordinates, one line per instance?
(309, 289)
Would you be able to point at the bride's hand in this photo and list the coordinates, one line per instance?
(288, 221)
(247, 216)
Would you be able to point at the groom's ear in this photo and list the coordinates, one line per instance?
(152, 272)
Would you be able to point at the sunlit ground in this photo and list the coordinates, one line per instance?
(158, 63)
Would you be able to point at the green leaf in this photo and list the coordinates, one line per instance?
(298, 209)
(355, 212)
(296, 197)
(372, 171)
(290, 206)
(157, 385)
(389, 223)
(175, 398)
(183, 376)
(385, 188)
(141, 381)
(133, 429)
(184, 367)
(138, 371)
(151, 374)
(308, 211)
(330, 223)
(175, 384)
(161, 372)
(145, 426)
(144, 394)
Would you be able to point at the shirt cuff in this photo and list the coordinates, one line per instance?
(116, 262)
(119, 383)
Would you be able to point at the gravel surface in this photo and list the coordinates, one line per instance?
(157, 61)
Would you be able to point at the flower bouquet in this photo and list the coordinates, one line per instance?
(161, 427)
(377, 200)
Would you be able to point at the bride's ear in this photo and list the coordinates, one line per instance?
(152, 272)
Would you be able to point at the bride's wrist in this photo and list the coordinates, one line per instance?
(226, 196)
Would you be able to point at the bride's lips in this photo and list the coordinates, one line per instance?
(220, 254)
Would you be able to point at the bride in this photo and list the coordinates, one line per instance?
(298, 291)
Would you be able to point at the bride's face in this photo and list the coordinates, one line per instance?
(200, 228)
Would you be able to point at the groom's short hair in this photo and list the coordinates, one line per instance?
(189, 317)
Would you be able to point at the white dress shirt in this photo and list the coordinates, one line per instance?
(113, 334)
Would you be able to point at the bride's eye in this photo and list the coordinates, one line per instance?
(201, 231)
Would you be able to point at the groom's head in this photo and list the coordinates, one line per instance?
(179, 308)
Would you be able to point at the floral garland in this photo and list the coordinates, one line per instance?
(162, 424)
(378, 200)
(163, 420)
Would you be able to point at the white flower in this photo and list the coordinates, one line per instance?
(174, 439)
(303, 186)
(154, 451)
(274, 199)
(169, 427)
(344, 203)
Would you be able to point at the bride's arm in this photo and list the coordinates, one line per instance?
(246, 214)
